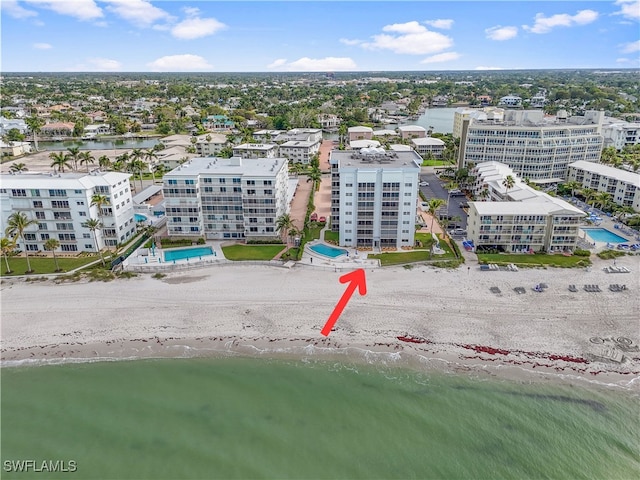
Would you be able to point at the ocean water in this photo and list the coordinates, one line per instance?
(239, 417)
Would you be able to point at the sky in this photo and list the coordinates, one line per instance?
(321, 36)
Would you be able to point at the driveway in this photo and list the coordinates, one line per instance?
(436, 190)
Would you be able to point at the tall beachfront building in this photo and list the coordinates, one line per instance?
(61, 203)
(534, 146)
(221, 198)
(373, 197)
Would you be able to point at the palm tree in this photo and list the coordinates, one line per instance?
(484, 193)
(74, 156)
(7, 245)
(34, 124)
(573, 186)
(602, 199)
(99, 201)
(17, 223)
(18, 167)
(51, 244)
(314, 175)
(588, 195)
(434, 205)
(104, 162)
(60, 160)
(508, 183)
(284, 224)
(159, 169)
(608, 155)
(86, 158)
(136, 166)
(94, 225)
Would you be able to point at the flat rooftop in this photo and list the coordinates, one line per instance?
(376, 158)
(259, 167)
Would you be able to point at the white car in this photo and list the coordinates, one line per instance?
(424, 184)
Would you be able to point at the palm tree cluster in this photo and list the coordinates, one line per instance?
(17, 224)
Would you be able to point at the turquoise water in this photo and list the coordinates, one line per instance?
(181, 254)
(262, 418)
(139, 217)
(327, 251)
(604, 235)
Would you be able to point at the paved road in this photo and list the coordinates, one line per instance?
(437, 190)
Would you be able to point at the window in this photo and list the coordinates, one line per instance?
(69, 248)
(40, 215)
(19, 193)
(77, 192)
(37, 204)
(86, 235)
(88, 245)
(35, 193)
(29, 236)
(44, 236)
(172, 182)
(83, 214)
(80, 203)
(58, 193)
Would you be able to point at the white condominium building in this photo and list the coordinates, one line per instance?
(622, 185)
(519, 218)
(373, 197)
(61, 203)
(534, 146)
(486, 114)
(256, 150)
(621, 134)
(226, 198)
(299, 151)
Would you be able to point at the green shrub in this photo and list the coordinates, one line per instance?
(201, 241)
(158, 275)
(582, 253)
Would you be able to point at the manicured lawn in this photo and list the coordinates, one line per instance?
(332, 236)
(435, 163)
(404, 257)
(251, 252)
(535, 260)
(43, 266)
(314, 231)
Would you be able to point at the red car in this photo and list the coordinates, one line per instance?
(322, 219)
(313, 217)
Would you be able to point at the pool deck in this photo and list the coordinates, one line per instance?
(145, 257)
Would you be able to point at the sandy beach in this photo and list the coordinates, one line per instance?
(262, 310)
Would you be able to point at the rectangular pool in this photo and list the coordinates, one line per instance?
(327, 250)
(182, 253)
(604, 235)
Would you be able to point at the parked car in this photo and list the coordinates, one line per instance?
(322, 219)
(314, 217)
(424, 184)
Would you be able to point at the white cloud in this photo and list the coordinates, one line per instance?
(180, 63)
(191, 28)
(546, 24)
(104, 64)
(138, 12)
(409, 38)
(631, 47)
(441, 23)
(277, 63)
(306, 64)
(11, 8)
(482, 67)
(629, 9)
(500, 33)
(349, 42)
(42, 46)
(80, 9)
(441, 57)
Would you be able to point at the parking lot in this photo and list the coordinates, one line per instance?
(435, 189)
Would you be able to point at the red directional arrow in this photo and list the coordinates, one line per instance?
(357, 280)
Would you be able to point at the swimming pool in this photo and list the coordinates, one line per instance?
(138, 217)
(604, 235)
(327, 251)
(182, 253)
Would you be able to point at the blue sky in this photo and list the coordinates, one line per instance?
(323, 36)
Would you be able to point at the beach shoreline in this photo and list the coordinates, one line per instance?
(447, 320)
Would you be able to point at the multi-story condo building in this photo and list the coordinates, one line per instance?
(266, 136)
(256, 150)
(210, 145)
(519, 218)
(412, 131)
(300, 134)
(373, 197)
(61, 203)
(428, 146)
(226, 198)
(622, 185)
(328, 121)
(486, 114)
(299, 151)
(533, 146)
(360, 133)
(621, 134)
